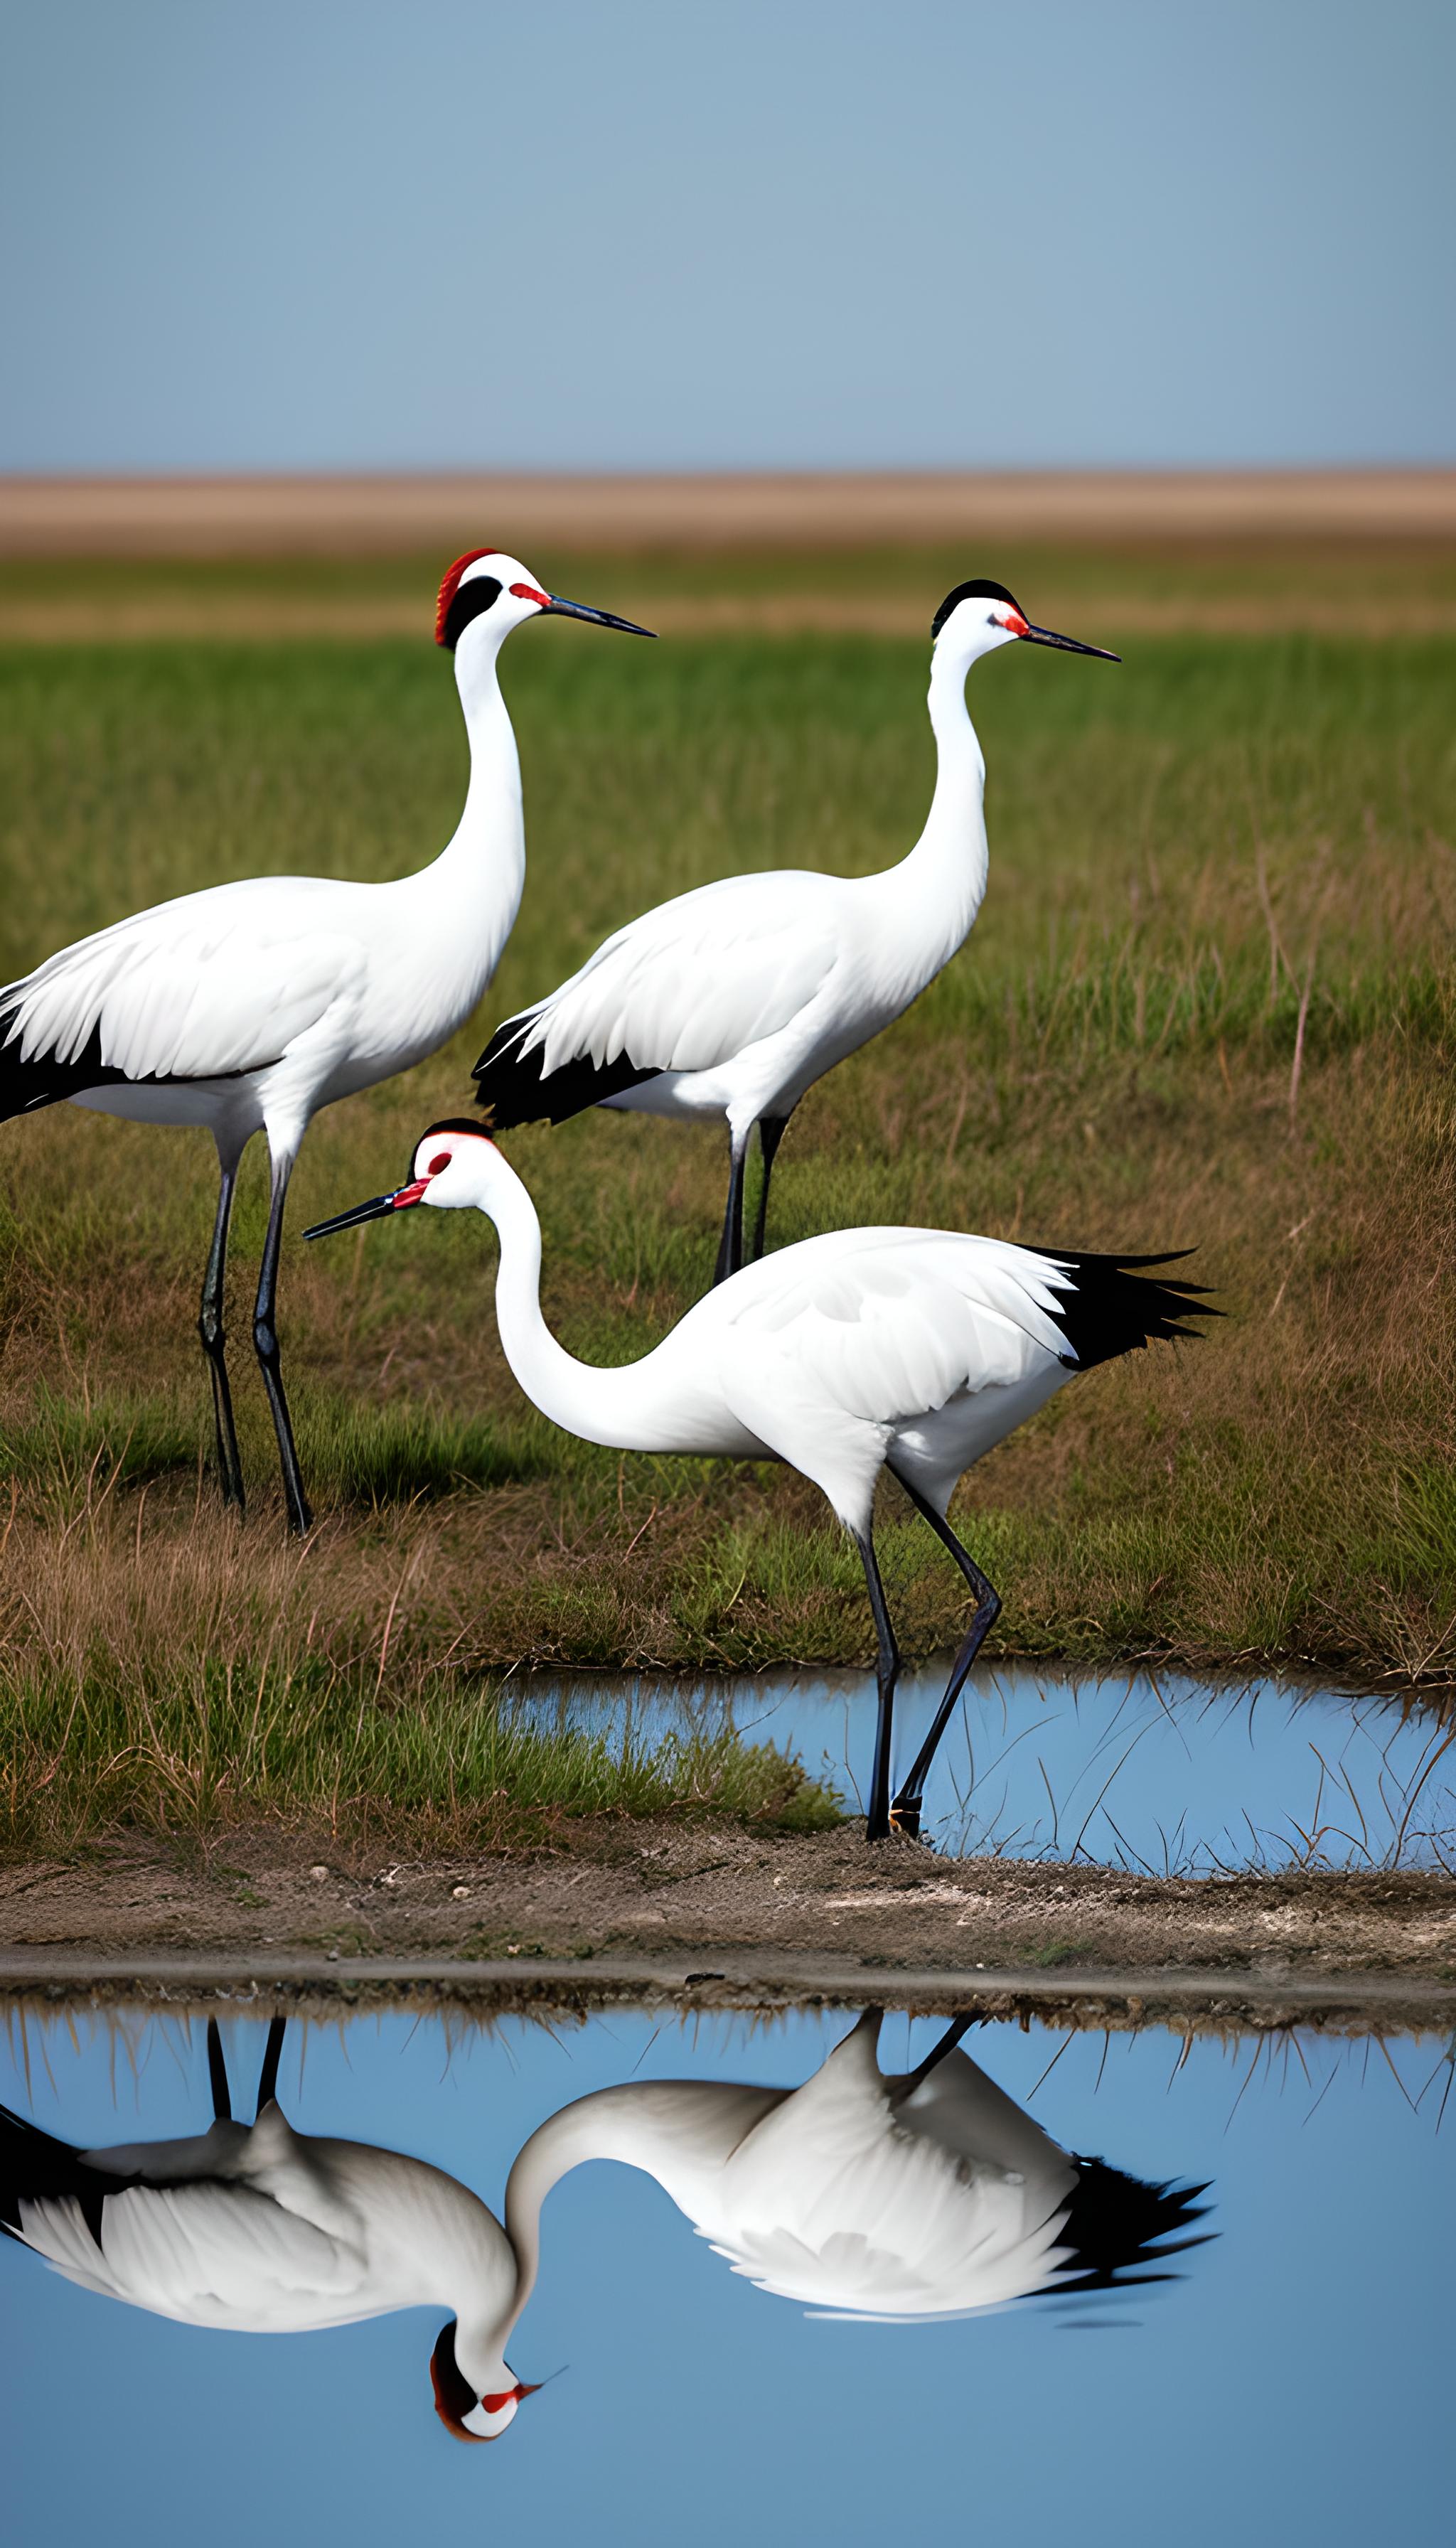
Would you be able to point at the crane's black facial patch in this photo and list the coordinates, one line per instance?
(453, 2391)
(480, 593)
(981, 589)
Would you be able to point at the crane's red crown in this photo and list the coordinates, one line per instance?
(450, 586)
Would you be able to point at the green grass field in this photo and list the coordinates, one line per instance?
(1208, 1003)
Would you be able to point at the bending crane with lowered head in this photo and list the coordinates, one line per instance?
(912, 1350)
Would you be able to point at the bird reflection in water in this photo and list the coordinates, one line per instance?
(271, 2232)
(863, 2194)
(924, 2193)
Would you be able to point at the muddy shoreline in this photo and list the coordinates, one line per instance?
(717, 1915)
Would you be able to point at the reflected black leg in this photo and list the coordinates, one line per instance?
(887, 1673)
(272, 2056)
(265, 1345)
(730, 1247)
(217, 2076)
(210, 1328)
(905, 1812)
(948, 2042)
(771, 1128)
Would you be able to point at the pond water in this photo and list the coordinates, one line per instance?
(1160, 1775)
(1286, 2379)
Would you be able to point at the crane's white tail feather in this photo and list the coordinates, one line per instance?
(1111, 1305)
(514, 1085)
(1116, 2223)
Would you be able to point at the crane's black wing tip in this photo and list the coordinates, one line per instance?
(28, 1085)
(513, 1087)
(1113, 1305)
(36, 2168)
(1118, 2229)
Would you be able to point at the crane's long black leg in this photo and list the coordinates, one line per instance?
(210, 1328)
(771, 1128)
(948, 2042)
(272, 2056)
(905, 1812)
(730, 1246)
(265, 1345)
(887, 1673)
(217, 2076)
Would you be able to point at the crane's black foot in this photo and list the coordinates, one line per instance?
(904, 1816)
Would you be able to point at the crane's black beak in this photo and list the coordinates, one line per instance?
(1068, 645)
(375, 1210)
(597, 618)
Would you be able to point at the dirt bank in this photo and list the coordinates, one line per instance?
(659, 1895)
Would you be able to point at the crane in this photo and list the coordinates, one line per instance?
(246, 1007)
(260, 2227)
(912, 1350)
(928, 2192)
(733, 999)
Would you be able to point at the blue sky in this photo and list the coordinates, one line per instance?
(318, 233)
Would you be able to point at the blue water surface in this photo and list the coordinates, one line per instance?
(1159, 1774)
(1292, 2383)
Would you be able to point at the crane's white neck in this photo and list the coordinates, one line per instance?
(481, 2339)
(490, 832)
(595, 2126)
(486, 2307)
(948, 865)
(611, 1407)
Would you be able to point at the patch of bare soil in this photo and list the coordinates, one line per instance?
(641, 1898)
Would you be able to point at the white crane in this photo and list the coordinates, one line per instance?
(866, 2195)
(912, 1350)
(247, 1007)
(734, 999)
(272, 2231)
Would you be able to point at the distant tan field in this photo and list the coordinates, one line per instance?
(329, 516)
(125, 563)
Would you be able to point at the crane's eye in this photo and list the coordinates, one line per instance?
(440, 1160)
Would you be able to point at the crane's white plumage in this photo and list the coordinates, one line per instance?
(867, 1344)
(733, 999)
(247, 1007)
(702, 979)
(863, 2194)
(862, 1349)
